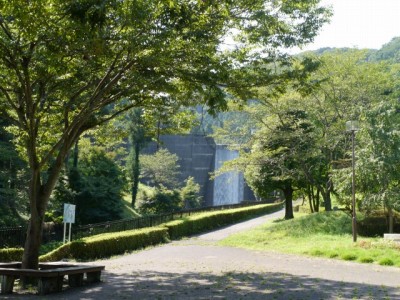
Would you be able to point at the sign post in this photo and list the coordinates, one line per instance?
(69, 217)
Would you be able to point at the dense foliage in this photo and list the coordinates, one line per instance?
(297, 143)
(164, 193)
(69, 66)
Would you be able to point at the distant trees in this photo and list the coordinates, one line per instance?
(297, 142)
(160, 169)
(13, 176)
(389, 51)
(95, 186)
(160, 172)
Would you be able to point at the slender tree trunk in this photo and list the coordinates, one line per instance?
(317, 201)
(76, 155)
(288, 193)
(327, 195)
(158, 133)
(390, 212)
(135, 173)
(310, 198)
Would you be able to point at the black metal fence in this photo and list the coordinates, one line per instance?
(15, 236)
(12, 236)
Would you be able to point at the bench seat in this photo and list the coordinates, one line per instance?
(50, 276)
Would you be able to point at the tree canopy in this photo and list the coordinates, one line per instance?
(68, 66)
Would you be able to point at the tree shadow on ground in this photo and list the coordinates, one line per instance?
(230, 285)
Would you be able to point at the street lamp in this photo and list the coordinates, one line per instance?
(353, 126)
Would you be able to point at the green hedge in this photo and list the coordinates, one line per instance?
(207, 221)
(108, 244)
(57, 254)
(105, 245)
(11, 254)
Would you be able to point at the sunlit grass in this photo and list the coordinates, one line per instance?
(326, 234)
(127, 210)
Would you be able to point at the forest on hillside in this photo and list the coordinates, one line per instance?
(294, 142)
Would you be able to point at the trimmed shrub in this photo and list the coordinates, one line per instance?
(108, 244)
(57, 254)
(105, 245)
(11, 254)
(208, 221)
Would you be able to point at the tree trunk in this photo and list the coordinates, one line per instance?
(288, 193)
(135, 173)
(76, 155)
(327, 195)
(317, 201)
(39, 195)
(390, 212)
(310, 198)
(38, 203)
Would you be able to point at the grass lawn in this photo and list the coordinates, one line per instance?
(325, 234)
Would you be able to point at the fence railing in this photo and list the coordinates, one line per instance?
(12, 236)
(15, 236)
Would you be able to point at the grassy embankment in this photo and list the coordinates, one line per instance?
(326, 234)
(127, 210)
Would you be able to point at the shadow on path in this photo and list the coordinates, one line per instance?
(231, 285)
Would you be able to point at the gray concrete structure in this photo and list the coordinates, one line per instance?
(197, 158)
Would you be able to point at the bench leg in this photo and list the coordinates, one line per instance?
(93, 276)
(7, 284)
(49, 285)
(75, 280)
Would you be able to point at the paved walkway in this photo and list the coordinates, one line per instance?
(197, 268)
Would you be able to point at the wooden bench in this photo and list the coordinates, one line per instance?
(50, 276)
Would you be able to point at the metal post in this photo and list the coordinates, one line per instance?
(354, 220)
(65, 233)
(70, 231)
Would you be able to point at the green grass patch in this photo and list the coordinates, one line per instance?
(127, 210)
(325, 234)
(366, 259)
(348, 256)
(386, 261)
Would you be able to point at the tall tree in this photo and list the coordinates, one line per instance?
(281, 152)
(137, 139)
(69, 66)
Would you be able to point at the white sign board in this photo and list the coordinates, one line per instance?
(69, 213)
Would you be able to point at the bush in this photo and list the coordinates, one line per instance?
(105, 245)
(95, 186)
(376, 224)
(190, 194)
(57, 254)
(207, 221)
(108, 244)
(11, 254)
(162, 200)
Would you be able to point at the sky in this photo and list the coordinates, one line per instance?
(360, 24)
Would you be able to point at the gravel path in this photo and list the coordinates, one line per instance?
(197, 268)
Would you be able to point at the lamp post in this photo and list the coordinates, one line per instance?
(352, 127)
